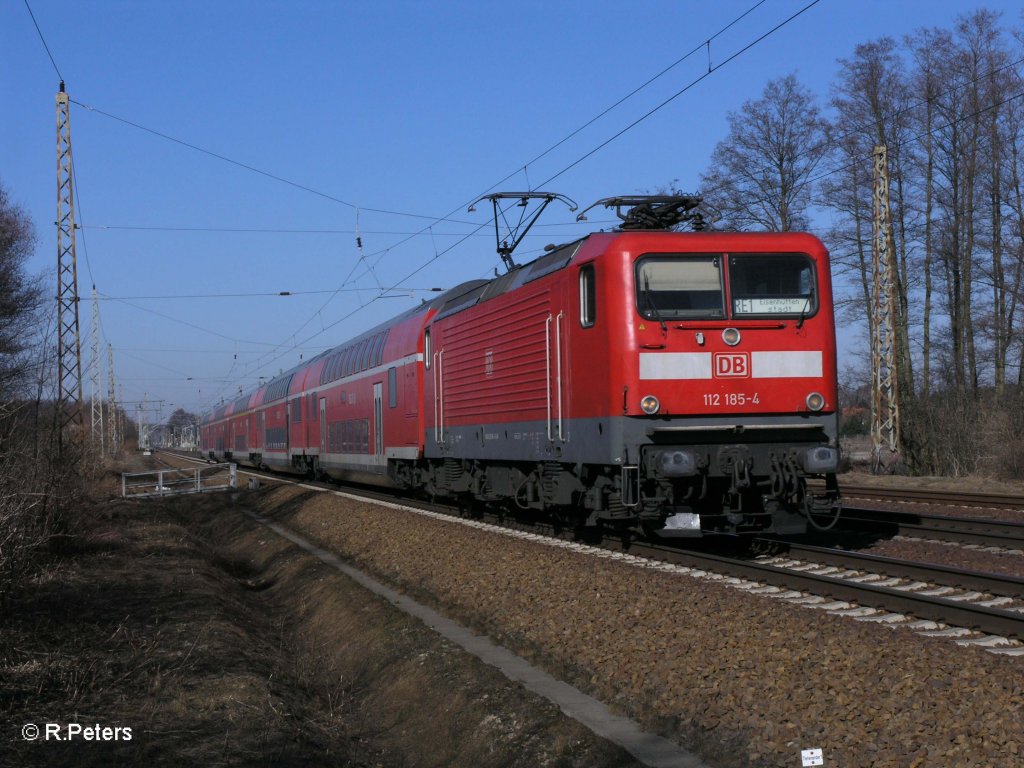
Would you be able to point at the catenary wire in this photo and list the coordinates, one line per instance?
(713, 69)
(344, 202)
(437, 255)
(43, 41)
(253, 168)
(677, 94)
(281, 179)
(282, 294)
(273, 230)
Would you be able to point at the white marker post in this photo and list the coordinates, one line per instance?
(810, 757)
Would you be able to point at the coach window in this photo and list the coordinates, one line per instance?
(372, 358)
(371, 351)
(364, 354)
(378, 353)
(392, 387)
(588, 296)
(426, 348)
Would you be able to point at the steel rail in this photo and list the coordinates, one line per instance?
(963, 498)
(944, 575)
(994, 621)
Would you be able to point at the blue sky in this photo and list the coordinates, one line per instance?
(402, 111)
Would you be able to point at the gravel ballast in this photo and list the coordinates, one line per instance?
(742, 679)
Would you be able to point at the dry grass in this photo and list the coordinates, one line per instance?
(133, 624)
(36, 493)
(220, 644)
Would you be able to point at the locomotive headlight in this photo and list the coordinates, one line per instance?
(815, 401)
(731, 336)
(650, 405)
(678, 463)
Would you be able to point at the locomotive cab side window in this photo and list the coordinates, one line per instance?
(588, 296)
(777, 284)
(679, 286)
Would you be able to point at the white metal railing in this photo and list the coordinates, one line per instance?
(558, 355)
(439, 396)
(558, 376)
(168, 482)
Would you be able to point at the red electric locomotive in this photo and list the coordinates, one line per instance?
(679, 382)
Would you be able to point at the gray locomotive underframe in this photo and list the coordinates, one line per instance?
(616, 467)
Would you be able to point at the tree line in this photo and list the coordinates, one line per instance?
(948, 104)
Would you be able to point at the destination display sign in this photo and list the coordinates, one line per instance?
(772, 305)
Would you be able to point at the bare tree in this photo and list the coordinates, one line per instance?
(926, 84)
(36, 489)
(870, 100)
(20, 295)
(760, 175)
(182, 418)
(946, 104)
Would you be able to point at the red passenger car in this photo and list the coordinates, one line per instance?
(682, 382)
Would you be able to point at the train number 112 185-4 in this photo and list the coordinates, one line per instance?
(730, 399)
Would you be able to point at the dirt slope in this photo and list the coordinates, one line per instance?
(219, 644)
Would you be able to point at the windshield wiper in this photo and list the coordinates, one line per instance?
(649, 301)
(804, 312)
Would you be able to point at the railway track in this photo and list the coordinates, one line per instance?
(950, 498)
(1011, 587)
(971, 608)
(963, 530)
(971, 589)
(894, 600)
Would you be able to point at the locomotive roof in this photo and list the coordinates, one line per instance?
(477, 291)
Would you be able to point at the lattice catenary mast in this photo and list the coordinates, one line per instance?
(885, 412)
(69, 344)
(112, 415)
(122, 428)
(94, 380)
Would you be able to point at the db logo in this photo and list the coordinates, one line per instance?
(732, 365)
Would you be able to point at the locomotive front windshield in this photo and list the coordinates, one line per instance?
(671, 286)
(771, 284)
(692, 286)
